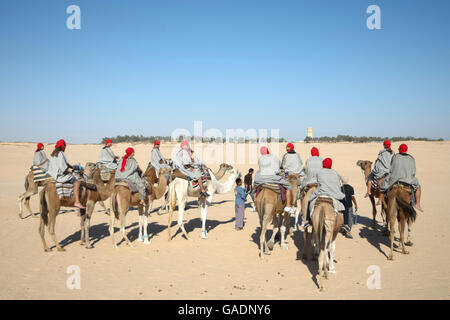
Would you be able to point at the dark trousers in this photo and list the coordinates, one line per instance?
(239, 210)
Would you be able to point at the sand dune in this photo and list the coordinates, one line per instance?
(226, 266)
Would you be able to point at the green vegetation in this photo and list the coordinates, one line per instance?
(344, 138)
(180, 138)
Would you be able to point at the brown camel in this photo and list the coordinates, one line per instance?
(366, 167)
(270, 207)
(50, 204)
(102, 192)
(31, 188)
(326, 225)
(399, 208)
(122, 199)
(309, 189)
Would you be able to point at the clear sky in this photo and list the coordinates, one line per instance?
(150, 67)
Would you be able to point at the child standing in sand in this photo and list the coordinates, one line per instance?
(239, 204)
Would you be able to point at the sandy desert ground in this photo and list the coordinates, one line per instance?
(227, 265)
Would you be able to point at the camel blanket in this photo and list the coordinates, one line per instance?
(64, 190)
(128, 184)
(278, 188)
(39, 174)
(337, 205)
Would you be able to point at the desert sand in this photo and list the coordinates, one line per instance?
(227, 265)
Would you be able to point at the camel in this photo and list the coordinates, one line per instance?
(101, 193)
(51, 203)
(326, 224)
(31, 188)
(122, 199)
(270, 207)
(399, 208)
(304, 205)
(223, 168)
(179, 191)
(366, 167)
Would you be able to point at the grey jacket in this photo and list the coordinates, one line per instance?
(40, 157)
(403, 169)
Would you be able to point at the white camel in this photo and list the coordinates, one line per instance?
(181, 189)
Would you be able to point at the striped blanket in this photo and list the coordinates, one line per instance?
(39, 174)
(65, 190)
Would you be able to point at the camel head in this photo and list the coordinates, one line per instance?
(363, 164)
(226, 166)
(89, 169)
(164, 172)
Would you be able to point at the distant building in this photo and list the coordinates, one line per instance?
(310, 132)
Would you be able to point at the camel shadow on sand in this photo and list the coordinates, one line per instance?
(297, 239)
(96, 233)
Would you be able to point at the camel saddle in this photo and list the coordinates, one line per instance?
(130, 185)
(278, 188)
(323, 200)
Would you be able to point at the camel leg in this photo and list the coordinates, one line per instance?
(409, 238)
(145, 224)
(171, 209)
(295, 228)
(276, 225)
(111, 228)
(391, 226)
(266, 219)
(283, 228)
(82, 230)
(204, 211)
(122, 227)
(141, 222)
(401, 230)
(305, 241)
(332, 248)
(321, 266)
(51, 230)
(165, 206)
(42, 234)
(181, 206)
(374, 211)
(88, 213)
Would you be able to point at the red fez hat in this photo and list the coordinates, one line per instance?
(290, 146)
(327, 163)
(315, 152)
(403, 148)
(39, 146)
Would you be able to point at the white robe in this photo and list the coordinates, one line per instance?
(39, 157)
(107, 158)
(57, 169)
(131, 173)
(156, 157)
(269, 172)
(183, 159)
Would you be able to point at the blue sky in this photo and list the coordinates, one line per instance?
(150, 67)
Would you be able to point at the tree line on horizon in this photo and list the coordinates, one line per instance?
(151, 139)
(346, 138)
(338, 138)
